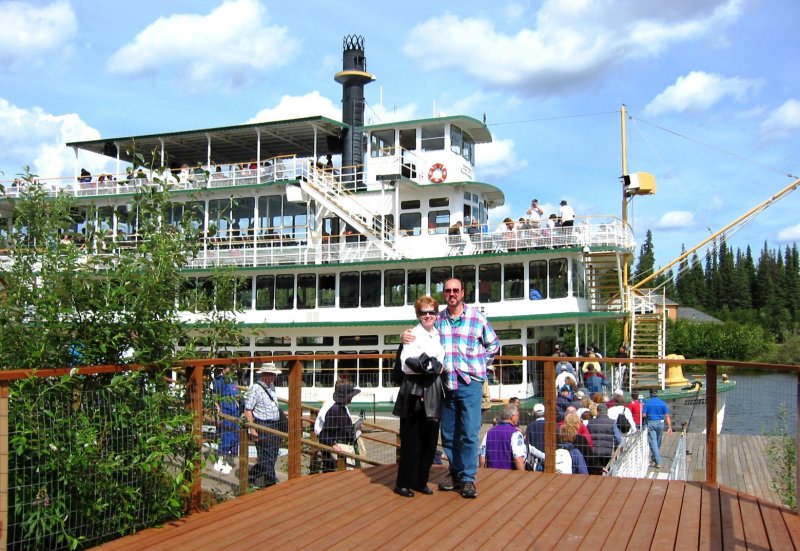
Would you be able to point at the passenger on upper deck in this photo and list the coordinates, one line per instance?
(535, 213)
(566, 214)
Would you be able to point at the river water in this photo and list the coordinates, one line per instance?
(753, 406)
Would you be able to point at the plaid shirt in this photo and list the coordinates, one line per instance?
(470, 345)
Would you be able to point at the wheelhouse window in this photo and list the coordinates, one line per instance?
(438, 221)
(270, 215)
(578, 285)
(382, 143)
(433, 138)
(468, 149)
(439, 202)
(455, 139)
(410, 223)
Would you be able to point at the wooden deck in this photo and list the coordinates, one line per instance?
(515, 510)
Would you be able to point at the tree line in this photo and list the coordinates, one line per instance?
(732, 285)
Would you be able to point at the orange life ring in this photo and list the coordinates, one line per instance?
(437, 174)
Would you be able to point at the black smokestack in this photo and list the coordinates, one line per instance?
(353, 77)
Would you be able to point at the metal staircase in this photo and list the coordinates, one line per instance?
(648, 340)
(604, 282)
(327, 191)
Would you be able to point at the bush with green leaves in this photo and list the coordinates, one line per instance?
(723, 341)
(93, 457)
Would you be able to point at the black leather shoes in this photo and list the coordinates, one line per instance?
(424, 490)
(405, 492)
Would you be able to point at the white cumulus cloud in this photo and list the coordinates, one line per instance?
(675, 220)
(230, 47)
(698, 91)
(567, 42)
(790, 234)
(34, 138)
(782, 122)
(32, 32)
(497, 159)
(296, 107)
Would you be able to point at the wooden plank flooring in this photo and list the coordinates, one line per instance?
(515, 510)
(742, 462)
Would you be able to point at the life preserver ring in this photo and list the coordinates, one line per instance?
(437, 174)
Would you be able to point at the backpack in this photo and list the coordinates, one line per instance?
(563, 461)
(623, 423)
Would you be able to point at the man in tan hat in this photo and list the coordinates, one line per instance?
(261, 407)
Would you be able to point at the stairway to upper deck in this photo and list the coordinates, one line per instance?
(648, 340)
(329, 192)
(604, 282)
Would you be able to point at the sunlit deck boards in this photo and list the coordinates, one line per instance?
(514, 510)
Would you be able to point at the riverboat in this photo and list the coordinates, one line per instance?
(336, 227)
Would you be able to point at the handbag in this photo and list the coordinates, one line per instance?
(282, 423)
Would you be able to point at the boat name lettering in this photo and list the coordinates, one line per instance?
(694, 402)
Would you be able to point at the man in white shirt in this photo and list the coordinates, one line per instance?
(566, 214)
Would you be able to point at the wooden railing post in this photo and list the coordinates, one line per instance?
(194, 395)
(711, 423)
(4, 435)
(295, 418)
(550, 417)
(244, 459)
(796, 447)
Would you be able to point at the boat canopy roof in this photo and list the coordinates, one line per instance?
(229, 144)
(476, 130)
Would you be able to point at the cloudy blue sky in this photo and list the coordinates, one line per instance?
(711, 86)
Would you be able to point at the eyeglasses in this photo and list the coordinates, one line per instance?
(427, 312)
(452, 291)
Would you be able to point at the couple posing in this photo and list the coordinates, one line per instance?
(444, 360)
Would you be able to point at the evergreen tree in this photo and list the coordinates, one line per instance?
(684, 293)
(647, 259)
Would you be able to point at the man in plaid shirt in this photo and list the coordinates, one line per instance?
(470, 345)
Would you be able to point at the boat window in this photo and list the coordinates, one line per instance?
(489, 283)
(308, 369)
(407, 205)
(386, 368)
(295, 222)
(439, 202)
(394, 287)
(410, 223)
(514, 281)
(558, 278)
(347, 369)
(324, 378)
(438, 221)
(306, 291)
(349, 285)
(370, 289)
(472, 204)
(382, 143)
(467, 276)
(368, 369)
(468, 149)
(270, 214)
(455, 139)
(265, 292)
(408, 143)
(432, 138)
(315, 341)
(284, 292)
(537, 271)
(187, 297)
(439, 275)
(272, 341)
(358, 340)
(509, 372)
(105, 219)
(417, 286)
(408, 139)
(219, 217)
(244, 293)
(243, 216)
(327, 290)
(205, 296)
(578, 285)
(395, 339)
(126, 222)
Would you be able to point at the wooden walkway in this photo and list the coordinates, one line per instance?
(514, 510)
(742, 462)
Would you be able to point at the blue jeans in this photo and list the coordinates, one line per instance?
(654, 431)
(461, 424)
